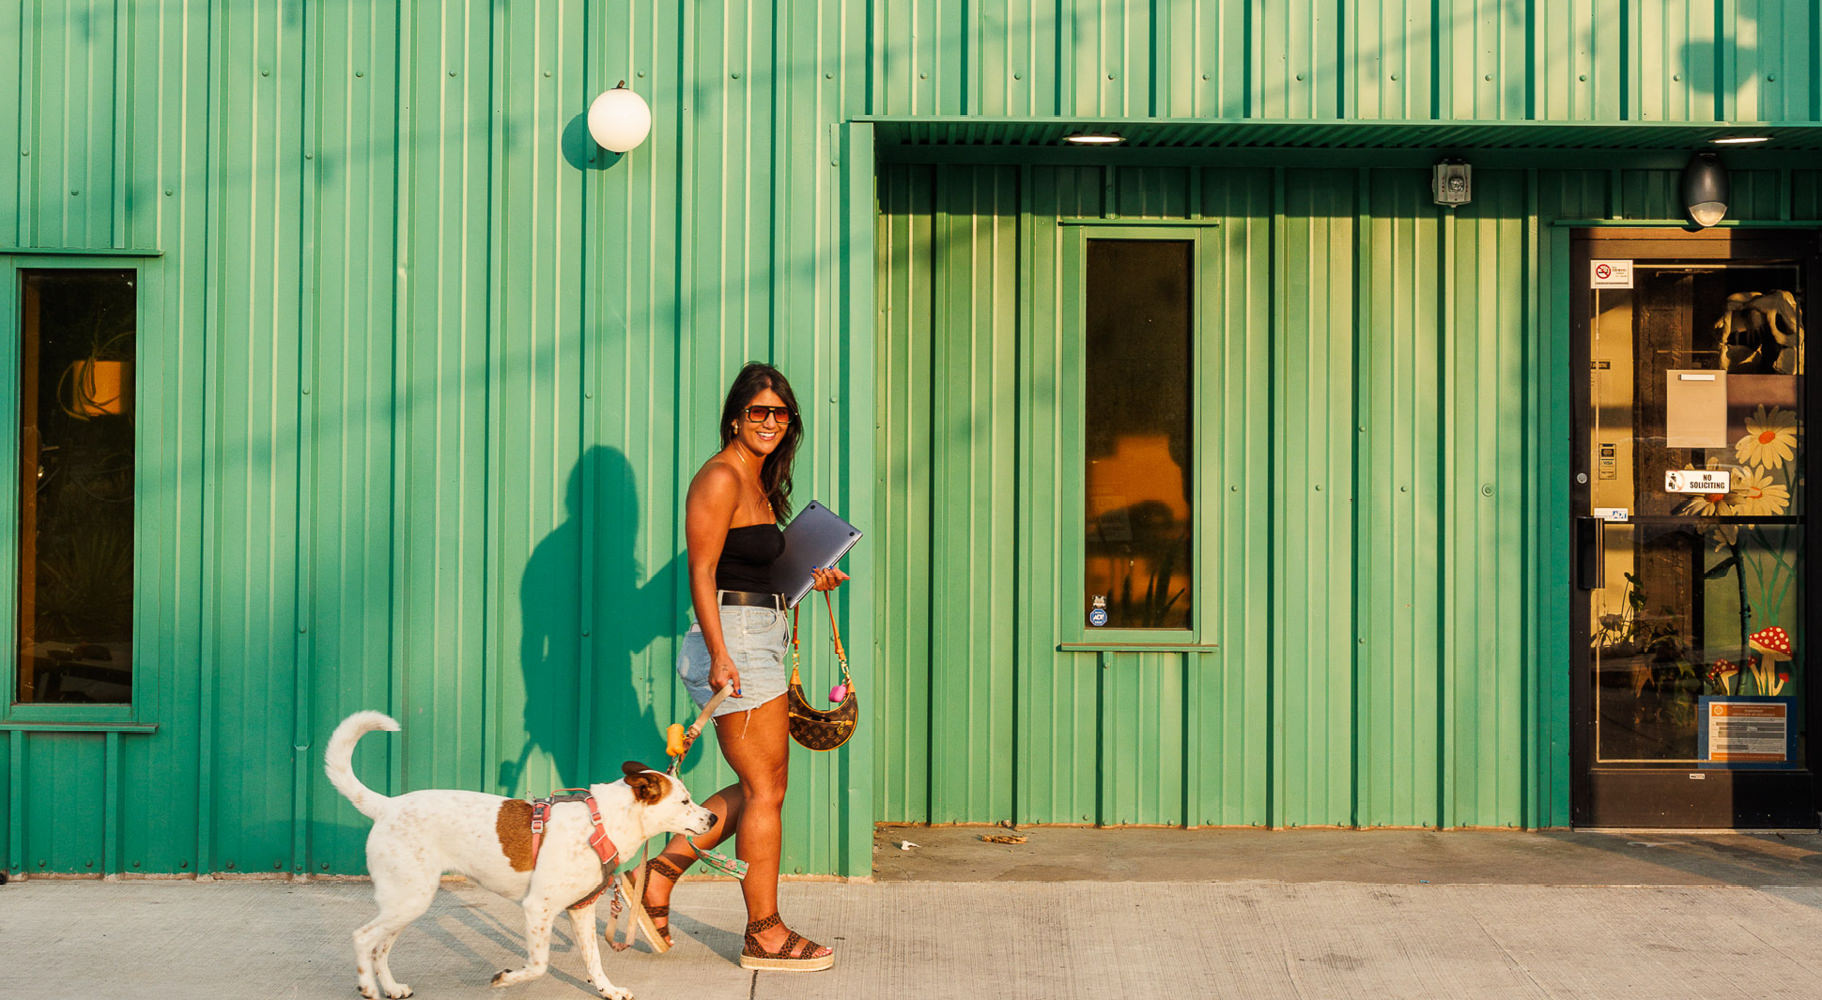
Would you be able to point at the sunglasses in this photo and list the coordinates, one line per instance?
(757, 414)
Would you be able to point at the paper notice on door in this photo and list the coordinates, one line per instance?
(1695, 409)
(1748, 731)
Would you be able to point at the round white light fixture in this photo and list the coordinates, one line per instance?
(1094, 139)
(1740, 140)
(1705, 189)
(619, 119)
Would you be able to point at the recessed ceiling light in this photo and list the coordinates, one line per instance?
(1094, 139)
(1740, 140)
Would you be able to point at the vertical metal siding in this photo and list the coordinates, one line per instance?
(1313, 422)
(435, 374)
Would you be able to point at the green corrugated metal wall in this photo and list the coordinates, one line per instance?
(1381, 389)
(431, 374)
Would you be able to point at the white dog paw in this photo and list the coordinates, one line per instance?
(612, 992)
(399, 992)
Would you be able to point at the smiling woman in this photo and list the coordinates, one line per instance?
(75, 624)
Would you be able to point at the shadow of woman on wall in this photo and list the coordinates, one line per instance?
(590, 684)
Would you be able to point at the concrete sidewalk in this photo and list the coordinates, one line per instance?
(1068, 913)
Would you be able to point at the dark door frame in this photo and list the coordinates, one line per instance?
(1644, 796)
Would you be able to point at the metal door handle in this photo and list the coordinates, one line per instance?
(1590, 553)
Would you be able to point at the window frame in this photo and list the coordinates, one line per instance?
(137, 714)
(1072, 477)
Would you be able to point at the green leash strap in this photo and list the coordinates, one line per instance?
(720, 862)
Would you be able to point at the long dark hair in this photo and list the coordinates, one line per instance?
(775, 474)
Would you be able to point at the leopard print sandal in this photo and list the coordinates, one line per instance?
(646, 917)
(797, 954)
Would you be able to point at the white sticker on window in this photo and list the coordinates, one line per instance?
(1610, 274)
(1697, 480)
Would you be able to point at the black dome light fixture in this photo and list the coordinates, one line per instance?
(1705, 189)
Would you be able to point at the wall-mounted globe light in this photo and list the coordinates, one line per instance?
(619, 119)
(1705, 189)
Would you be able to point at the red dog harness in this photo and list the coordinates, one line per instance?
(597, 838)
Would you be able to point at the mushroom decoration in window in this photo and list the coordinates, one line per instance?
(1723, 674)
(1774, 642)
(1771, 644)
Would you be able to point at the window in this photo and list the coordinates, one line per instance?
(75, 486)
(1137, 439)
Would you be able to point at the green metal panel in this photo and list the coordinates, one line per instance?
(433, 373)
(1313, 486)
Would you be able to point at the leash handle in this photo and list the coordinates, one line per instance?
(688, 736)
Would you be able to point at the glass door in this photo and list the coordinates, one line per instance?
(1692, 548)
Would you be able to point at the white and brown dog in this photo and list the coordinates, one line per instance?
(419, 836)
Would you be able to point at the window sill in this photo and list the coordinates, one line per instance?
(1118, 646)
(68, 726)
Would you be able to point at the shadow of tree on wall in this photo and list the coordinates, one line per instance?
(587, 698)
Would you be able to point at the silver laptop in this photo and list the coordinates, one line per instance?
(815, 538)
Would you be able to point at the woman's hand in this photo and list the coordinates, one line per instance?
(722, 672)
(828, 579)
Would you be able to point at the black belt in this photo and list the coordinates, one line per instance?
(752, 599)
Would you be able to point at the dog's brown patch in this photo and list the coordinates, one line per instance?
(648, 786)
(513, 826)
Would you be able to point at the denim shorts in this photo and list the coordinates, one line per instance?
(756, 638)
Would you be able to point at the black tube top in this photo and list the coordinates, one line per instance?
(747, 556)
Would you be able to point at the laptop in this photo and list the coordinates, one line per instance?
(817, 537)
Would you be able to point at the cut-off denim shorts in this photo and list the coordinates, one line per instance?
(756, 638)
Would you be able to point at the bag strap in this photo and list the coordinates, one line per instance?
(841, 653)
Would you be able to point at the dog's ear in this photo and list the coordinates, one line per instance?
(648, 787)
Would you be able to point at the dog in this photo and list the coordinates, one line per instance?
(419, 836)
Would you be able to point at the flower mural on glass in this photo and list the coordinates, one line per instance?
(1762, 557)
(1770, 439)
(1756, 494)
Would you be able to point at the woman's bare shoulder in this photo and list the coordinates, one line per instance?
(716, 480)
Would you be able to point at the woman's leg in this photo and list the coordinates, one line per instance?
(757, 746)
(727, 806)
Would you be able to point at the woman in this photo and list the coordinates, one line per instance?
(731, 525)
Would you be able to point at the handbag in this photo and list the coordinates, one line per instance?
(818, 729)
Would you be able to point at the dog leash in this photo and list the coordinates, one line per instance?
(677, 742)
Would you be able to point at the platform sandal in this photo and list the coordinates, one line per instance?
(646, 917)
(798, 954)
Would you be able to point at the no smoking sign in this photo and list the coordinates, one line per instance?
(1610, 274)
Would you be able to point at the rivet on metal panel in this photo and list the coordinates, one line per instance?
(1486, 489)
(265, 72)
(306, 392)
(1676, 77)
(1233, 489)
(642, 74)
(1583, 77)
(1363, 640)
(923, 76)
(1771, 78)
(1404, 489)
(1205, 76)
(168, 192)
(452, 72)
(1018, 76)
(1300, 76)
(547, 74)
(1488, 78)
(828, 76)
(358, 74)
(1319, 488)
(1110, 76)
(25, 152)
(74, 192)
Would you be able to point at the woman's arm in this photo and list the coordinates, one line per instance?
(708, 512)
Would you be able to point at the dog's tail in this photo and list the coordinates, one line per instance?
(338, 760)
